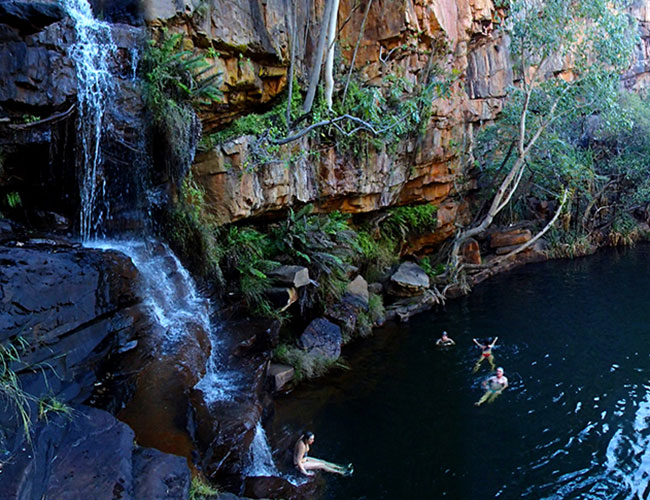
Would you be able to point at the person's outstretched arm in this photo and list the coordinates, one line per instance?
(494, 341)
(476, 342)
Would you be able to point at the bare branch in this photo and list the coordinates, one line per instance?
(49, 119)
(364, 125)
(538, 235)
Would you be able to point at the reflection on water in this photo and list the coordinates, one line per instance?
(574, 339)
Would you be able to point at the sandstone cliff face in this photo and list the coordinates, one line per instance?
(404, 39)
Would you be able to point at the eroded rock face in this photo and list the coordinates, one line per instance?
(398, 39)
(91, 454)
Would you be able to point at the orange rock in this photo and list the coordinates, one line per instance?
(509, 238)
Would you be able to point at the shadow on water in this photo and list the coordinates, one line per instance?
(574, 339)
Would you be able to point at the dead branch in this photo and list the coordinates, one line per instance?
(49, 119)
(363, 125)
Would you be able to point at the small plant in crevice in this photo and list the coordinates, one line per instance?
(11, 390)
(248, 251)
(200, 489)
(50, 405)
(193, 234)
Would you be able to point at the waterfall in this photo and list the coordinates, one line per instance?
(167, 289)
(260, 459)
(90, 53)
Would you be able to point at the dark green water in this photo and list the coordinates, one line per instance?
(574, 339)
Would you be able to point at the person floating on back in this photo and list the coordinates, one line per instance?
(444, 341)
(486, 354)
(306, 465)
(494, 386)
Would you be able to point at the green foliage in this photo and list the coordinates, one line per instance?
(590, 43)
(200, 489)
(13, 199)
(172, 76)
(376, 310)
(30, 118)
(395, 110)
(193, 235)
(248, 251)
(564, 244)
(271, 125)
(381, 243)
(410, 220)
(10, 388)
(323, 243)
(431, 270)
(305, 365)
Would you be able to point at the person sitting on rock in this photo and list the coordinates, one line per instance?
(444, 341)
(494, 385)
(486, 354)
(307, 464)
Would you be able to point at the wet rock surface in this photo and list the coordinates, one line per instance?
(90, 454)
(278, 487)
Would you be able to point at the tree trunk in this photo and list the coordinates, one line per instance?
(329, 60)
(318, 57)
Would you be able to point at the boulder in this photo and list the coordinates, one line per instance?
(408, 281)
(321, 338)
(295, 276)
(160, 476)
(358, 288)
(71, 305)
(90, 454)
(280, 375)
(279, 487)
(509, 238)
(376, 288)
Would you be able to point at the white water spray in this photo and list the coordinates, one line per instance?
(91, 52)
(260, 458)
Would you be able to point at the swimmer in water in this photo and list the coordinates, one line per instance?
(494, 386)
(307, 464)
(486, 354)
(444, 341)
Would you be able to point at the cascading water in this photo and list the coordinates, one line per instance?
(260, 458)
(91, 52)
(168, 291)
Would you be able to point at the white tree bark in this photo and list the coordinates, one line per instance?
(329, 60)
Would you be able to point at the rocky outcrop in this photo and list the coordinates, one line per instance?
(67, 314)
(70, 306)
(89, 453)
